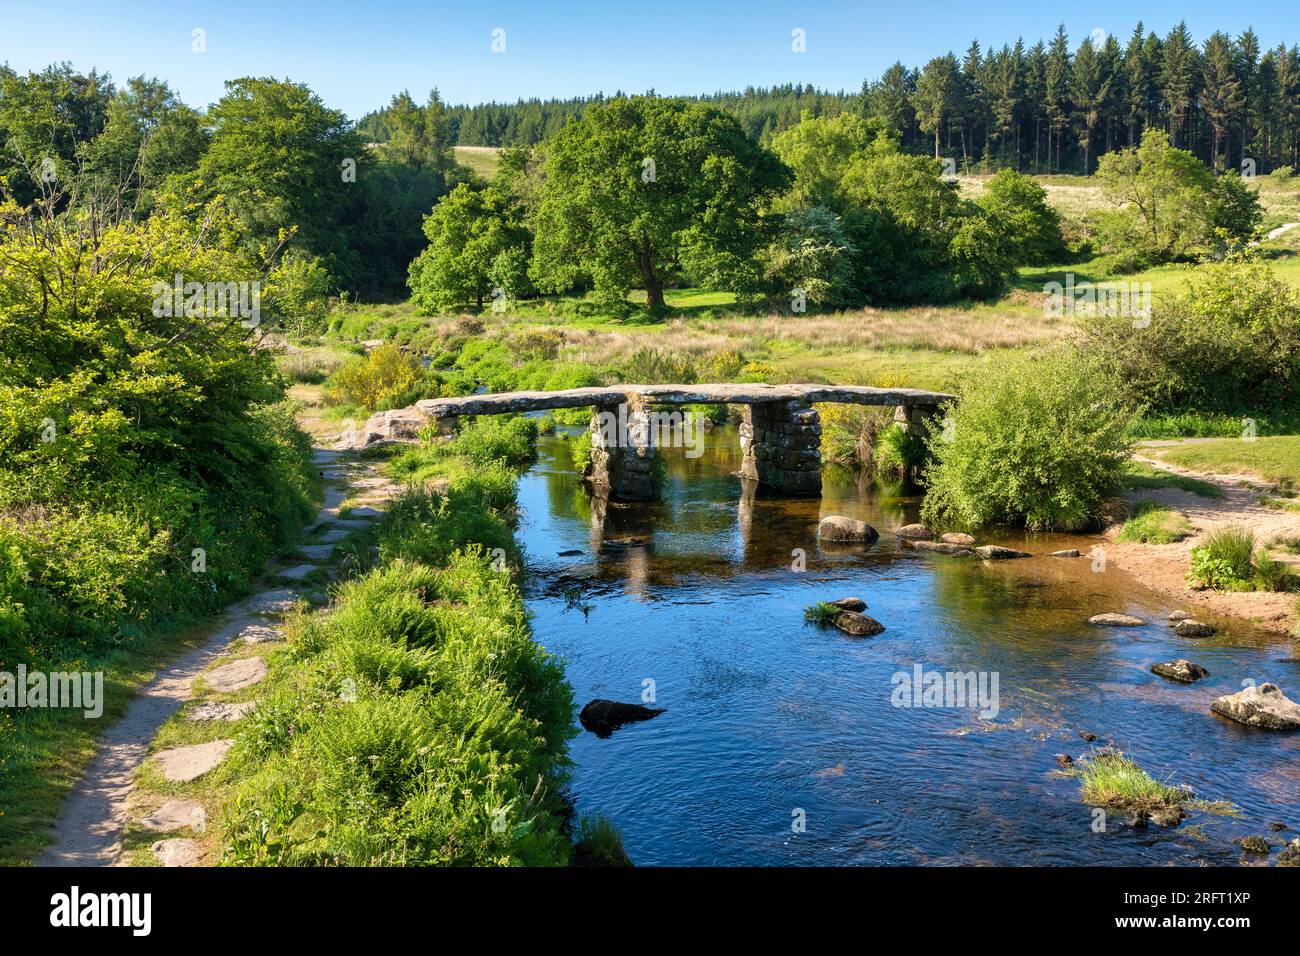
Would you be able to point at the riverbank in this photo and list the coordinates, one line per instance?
(1243, 500)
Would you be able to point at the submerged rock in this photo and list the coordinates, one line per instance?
(857, 625)
(849, 604)
(1277, 826)
(1168, 816)
(1090, 737)
(914, 532)
(1183, 671)
(1067, 553)
(993, 552)
(957, 537)
(942, 547)
(840, 528)
(1190, 628)
(603, 717)
(1111, 619)
(1290, 855)
(1065, 760)
(1254, 844)
(1263, 706)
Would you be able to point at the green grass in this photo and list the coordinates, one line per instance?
(1116, 782)
(1152, 524)
(1272, 458)
(1140, 475)
(821, 613)
(1225, 561)
(483, 160)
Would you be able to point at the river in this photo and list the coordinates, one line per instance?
(782, 742)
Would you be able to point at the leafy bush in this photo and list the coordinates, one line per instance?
(1231, 344)
(1225, 561)
(490, 438)
(897, 451)
(1020, 208)
(1039, 441)
(380, 379)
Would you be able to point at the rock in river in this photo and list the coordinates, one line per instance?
(914, 532)
(1189, 628)
(1176, 616)
(1263, 706)
(603, 717)
(1116, 620)
(943, 547)
(957, 537)
(1183, 671)
(857, 625)
(992, 552)
(840, 528)
(849, 604)
(1067, 553)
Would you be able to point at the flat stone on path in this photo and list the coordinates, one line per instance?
(260, 634)
(177, 852)
(297, 572)
(278, 601)
(215, 710)
(183, 764)
(363, 513)
(175, 814)
(236, 675)
(316, 552)
(1116, 620)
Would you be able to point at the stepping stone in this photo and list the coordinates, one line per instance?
(279, 601)
(363, 513)
(236, 675)
(177, 852)
(297, 572)
(175, 815)
(214, 710)
(993, 552)
(1181, 670)
(1116, 620)
(334, 535)
(957, 537)
(942, 547)
(915, 532)
(183, 764)
(316, 552)
(1189, 628)
(260, 634)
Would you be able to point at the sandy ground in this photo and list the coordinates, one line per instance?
(1164, 567)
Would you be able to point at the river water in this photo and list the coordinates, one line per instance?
(781, 742)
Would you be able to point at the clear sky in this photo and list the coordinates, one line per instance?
(357, 53)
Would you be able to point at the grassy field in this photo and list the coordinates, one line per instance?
(1275, 459)
(484, 160)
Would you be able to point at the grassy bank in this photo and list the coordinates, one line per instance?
(1274, 458)
(414, 721)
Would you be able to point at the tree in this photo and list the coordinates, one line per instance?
(1178, 78)
(281, 156)
(936, 95)
(1090, 89)
(1031, 226)
(1056, 82)
(467, 231)
(639, 186)
(1222, 97)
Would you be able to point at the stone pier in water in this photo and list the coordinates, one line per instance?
(780, 432)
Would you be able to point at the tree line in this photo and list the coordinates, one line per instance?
(1050, 107)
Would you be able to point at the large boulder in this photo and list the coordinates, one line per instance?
(1111, 619)
(993, 552)
(840, 528)
(914, 532)
(1183, 671)
(1262, 706)
(857, 625)
(395, 425)
(603, 717)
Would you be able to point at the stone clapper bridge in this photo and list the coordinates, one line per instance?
(780, 433)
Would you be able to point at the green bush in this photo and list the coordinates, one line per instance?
(1230, 345)
(1020, 208)
(1037, 441)
(1225, 561)
(898, 452)
(381, 380)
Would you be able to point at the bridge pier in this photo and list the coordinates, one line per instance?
(622, 451)
(781, 446)
(915, 419)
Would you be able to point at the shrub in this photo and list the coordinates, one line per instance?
(384, 375)
(1225, 561)
(490, 438)
(1039, 441)
(1020, 208)
(1231, 344)
(1270, 574)
(898, 452)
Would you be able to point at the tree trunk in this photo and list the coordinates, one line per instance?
(654, 287)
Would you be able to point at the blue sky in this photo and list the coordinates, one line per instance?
(356, 54)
